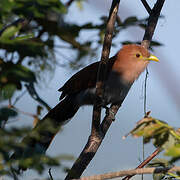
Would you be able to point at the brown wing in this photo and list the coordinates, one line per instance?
(83, 79)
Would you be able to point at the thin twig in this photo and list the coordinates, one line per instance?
(143, 154)
(145, 102)
(146, 5)
(145, 91)
(50, 175)
(19, 97)
(22, 112)
(132, 172)
(146, 161)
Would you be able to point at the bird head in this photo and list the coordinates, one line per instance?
(131, 60)
(136, 52)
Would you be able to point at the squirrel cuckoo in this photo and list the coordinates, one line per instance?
(123, 69)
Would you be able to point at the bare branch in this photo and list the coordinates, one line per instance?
(19, 97)
(152, 22)
(145, 91)
(132, 172)
(99, 130)
(145, 162)
(50, 175)
(22, 112)
(102, 71)
(146, 5)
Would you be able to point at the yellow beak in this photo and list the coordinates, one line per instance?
(152, 58)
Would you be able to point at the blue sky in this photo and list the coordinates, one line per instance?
(163, 97)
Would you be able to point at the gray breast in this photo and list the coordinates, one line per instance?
(116, 88)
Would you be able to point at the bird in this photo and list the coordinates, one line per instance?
(122, 70)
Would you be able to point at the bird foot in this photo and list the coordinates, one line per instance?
(110, 113)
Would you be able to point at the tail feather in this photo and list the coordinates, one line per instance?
(43, 133)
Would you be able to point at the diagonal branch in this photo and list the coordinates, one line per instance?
(96, 138)
(145, 162)
(133, 172)
(146, 5)
(149, 31)
(99, 130)
(102, 70)
(152, 22)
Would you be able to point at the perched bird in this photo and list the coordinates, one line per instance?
(123, 69)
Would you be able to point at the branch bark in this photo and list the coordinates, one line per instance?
(96, 136)
(145, 162)
(132, 173)
(152, 22)
(146, 5)
(99, 131)
(149, 31)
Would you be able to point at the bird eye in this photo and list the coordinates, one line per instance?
(138, 55)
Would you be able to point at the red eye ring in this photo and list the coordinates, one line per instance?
(138, 55)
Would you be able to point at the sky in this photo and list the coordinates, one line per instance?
(163, 97)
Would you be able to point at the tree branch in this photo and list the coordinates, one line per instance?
(152, 22)
(146, 5)
(149, 31)
(99, 130)
(132, 172)
(146, 161)
(102, 70)
(96, 137)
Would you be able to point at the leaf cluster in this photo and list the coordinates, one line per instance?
(162, 136)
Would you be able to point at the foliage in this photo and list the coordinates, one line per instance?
(36, 161)
(30, 31)
(163, 136)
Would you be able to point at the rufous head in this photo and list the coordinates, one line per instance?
(137, 53)
(131, 60)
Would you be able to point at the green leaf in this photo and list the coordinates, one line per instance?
(173, 151)
(130, 20)
(158, 162)
(23, 73)
(6, 112)
(9, 32)
(160, 132)
(142, 25)
(7, 91)
(39, 109)
(158, 176)
(25, 37)
(156, 43)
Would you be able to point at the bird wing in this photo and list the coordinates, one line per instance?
(83, 79)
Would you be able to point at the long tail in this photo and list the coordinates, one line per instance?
(43, 133)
